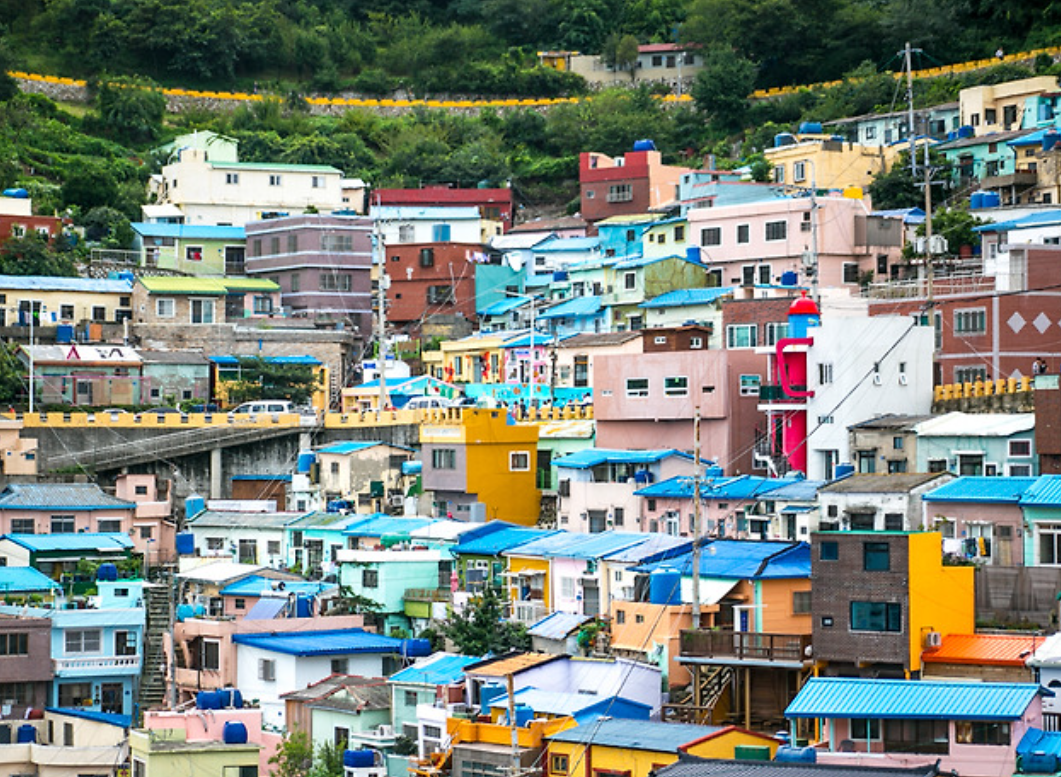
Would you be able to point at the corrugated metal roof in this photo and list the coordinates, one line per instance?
(234, 360)
(796, 491)
(976, 425)
(439, 669)
(433, 213)
(848, 697)
(100, 542)
(256, 585)
(552, 702)
(681, 298)
(322, 643)
(984, 649)
(1046, 218)
(656, 547)
(593, 457)
(110, 718)
(633, 263)
(556, 244)
(290, 168)
(188, 231)
(380, 524)
(580, 546)
(558, 625)
(540, 338)
(690, 766)
(511, 664)
(211, 286)
(45, 496)
(633, 734)
(981, 489)
(743, 560)
(25, 579)
(219, 572)
(243, 520)
(1038, 741)
(577, 307)
(1044, 492)
(497, 538)
(882, 484)
(344, 448)
(738, 487)
(503, 306)
(51, 283)
(73, 355)
(334, 683)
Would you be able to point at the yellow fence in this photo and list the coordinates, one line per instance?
(982, 388)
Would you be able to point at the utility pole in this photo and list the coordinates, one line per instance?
(697, 531)
(908, 63)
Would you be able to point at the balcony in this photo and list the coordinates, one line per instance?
(196, 679)
(1022, 179)
(428, 595)
(744, 646)
(774, 394)
(529, 612)
(109, 665)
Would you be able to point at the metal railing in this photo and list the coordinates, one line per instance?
(745, 645)
(96, 664)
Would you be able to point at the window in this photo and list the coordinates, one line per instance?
(440, 233)
(764, 274)
(337, 243)
(876, 557)
(742, 336)
(231, 178)
(779, 173)
(876, 616)
(296, 282)
(109, 525)
(801, 602)
(969, 374)
(677, 386)
(444, 458)
(317, 182)
(406, 233)
(747, 275)
(239, 603)
(266, 669)
(750, 384)
(274, 180)
(215, 543)
(202, 311)
(916, 736)
(193, 253)
(712, 236)
(743, 233)
(621, 192)
(558, 764)
(825, 374)
(272, 547)
(440, 295)
(14, 644)
(567, 587)
(292, 244)
(75, 694)
(695, 343)
(1020, 470)
(969, 322)
(1049, 543)
(679, 233)
(776, 230)
(829, 550)
(775, 331)
(637, 387)
(63, 524)
(99, 313)
(66, 312)
(145, 532)
(620, 617)
(618, 517)
(630, 280)
(82, 640)
(427, 257)
(865, 729)
(519, 461)
(333, 281)
(340, 665)
(211, 655)
(850, 272)
(1020, 448)
(799, 171)
(125, 643)
(23, 526)
(981, 732)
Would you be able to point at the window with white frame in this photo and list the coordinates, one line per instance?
(444, 458)
(742, 336)
(970, 322)
(274, 180)
(166, 307)
(231, 178)
(637, 387)
(1019, 470)
(779, 173)
(406, 233)
(744, 233)
(82, 640)
(1049, 543)
(776, 230)
(676, 386)
(747, 275)
(799, 171)
(1020, 449)
(750, 385)
(202, 311)
(317, 182)
(711, 236)
(519, 461)
(696, 342)
(630, 280)
(567, 587)
(775, 330)
(765, 274)
(266, 669)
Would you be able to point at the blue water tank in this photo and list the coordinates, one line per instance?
(234, 733)
(560, 276)
(992, 200)
(714, 471)
(524, 715)
(488, 693)
(17, 193)
(665, 586)
(952, 135)
(843, 470)
(107, 571)
(306, 459)
(359, 759)
(26, 733)
(208, 700)
(193, 505)
(644, 145)
(966, 131)
(185, 611)
(810, 128)
(806, 755)
(976, 200)
(1038, 763)
(692, 253)
(304, 606)
(185, 543)
(789, 278)
(230, 698)
(416, 648)
(784, 139)
(64, 333)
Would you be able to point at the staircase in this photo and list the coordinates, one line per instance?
(153, 674)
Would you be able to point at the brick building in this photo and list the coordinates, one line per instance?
(429, 280)
(637, 182)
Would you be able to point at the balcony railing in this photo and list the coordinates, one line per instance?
(745, 646)
(777, 394)
(98, 664)
(528, 612)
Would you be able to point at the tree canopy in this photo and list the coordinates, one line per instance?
(481, 627)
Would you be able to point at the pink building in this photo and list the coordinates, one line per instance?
(980, 518)
(201, 727)
(153, 530)
(63, 508)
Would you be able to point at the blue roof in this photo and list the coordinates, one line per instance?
(560, 703)
(82, 541)
(540, 338)
(594, 457)
(1038, 741)
(349, 447)
(502, 306)
(743, 560)
(380, 524)
(550, 245)
(581, 546)
(188, 231)
(850, 697)
(797, 491)
(680, 298)
(1044, 492)
(1046, 218)
(558, 625)
(491, 539)
(908, 215)
(439, 669)
(50, 283)
(656, 548)
(334, 642)
(981, 489)
(576, 307)
(633, 734)
(49, 496)
(234, 360)
(256, 585)
(644, 261)
(25, 579)
(122, 721)
(1034, 139)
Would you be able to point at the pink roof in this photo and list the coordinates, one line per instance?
(655, 48)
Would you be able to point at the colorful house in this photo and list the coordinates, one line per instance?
(479, 556)
(1000, 658)
(183, 301)
(367, 474)
(191, 249)
(635, 280)
(340, 710)
(437, 678)
(64, 300)
(78, 374)
(404, 583)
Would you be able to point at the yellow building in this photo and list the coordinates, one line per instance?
(481, 467)
(635, 748)
(475, 359)
(825, 163)
(166, 753)
(64, 300)
(941, 598)
(1000, 107)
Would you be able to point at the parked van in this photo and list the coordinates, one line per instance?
(424, 402)
(265, 406)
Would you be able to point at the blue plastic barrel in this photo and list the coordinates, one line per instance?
(810, 128)
(234, 733)
(107, 571)
(665, 586)
(992, 200)
(843, 470)
(185, 544)
(644, 145)
(358, 759)
(787, 754)
(306, 460)
(64, 333)
(524, 715)
(26, 733)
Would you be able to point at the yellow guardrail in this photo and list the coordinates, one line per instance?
(982, 388)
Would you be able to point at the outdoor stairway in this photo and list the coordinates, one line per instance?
(153, 672)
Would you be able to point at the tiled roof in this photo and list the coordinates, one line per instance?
(329, 685)
(47, 496)
(591, 339)
(243, 520)
(984, 649)
(680, 298)
(633, 734)
(981, 489)
(335, 642)
(439, 669)
(511, 664)
(846, 697)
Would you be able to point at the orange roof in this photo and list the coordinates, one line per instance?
(499, 667)
(994, 649)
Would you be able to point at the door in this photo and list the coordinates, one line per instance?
(234, 256)
(590, 598)
(597, 521)
(110, 698)
(545, 469)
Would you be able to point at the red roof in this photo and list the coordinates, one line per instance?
(991, 649)
(656, 48)
(442, 195)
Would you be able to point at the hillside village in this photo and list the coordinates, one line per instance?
(714, 477)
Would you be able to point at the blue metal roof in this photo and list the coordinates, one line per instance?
(188, 231)
(50, 283)
(1034, 139)
(83, 541)
(122, 721)
(334, 642)
(633, 734)
(566, 244)
(25, 579)
(1038, 741)
(502, 306)
(49, 496)
(540, 338)
(593, 457)
(580, 546)
(797, 491)
(656, 548)
(908, 215)
(349, 447)
(380, 524)
(737, 487)
(256, 585)
(232, 361)
(981, 489)
(849, 697)
(558, 625)
(576, 307)
(644, 261)
(439, 669)
(680, 298)
(742, 560)
(1044, 492)
(1047, 218)
(495, 537)
(577, 704)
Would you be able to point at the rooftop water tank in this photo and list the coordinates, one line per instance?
(234, 733)
(992, 200)
(358, 759)
(843, 470)
(26, 733)
(18, 193)
(230, 698)
(789, 278)
(193, 505)
(185, 543)
(306, 460)
(965, 131)
(524, 715)
(976, 200)
(64, 333)
(208, 700)
(665, 586)
(107, 571)
(1038, 763)
(784, 139)
(787, 754)
(416, 648)
(810, 128)
(304, 606)
(490, 692)
(644, 145)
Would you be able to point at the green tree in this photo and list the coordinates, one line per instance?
(109, 227)
(32, 255)
(130, 109)
(481, 627)
(957, 225)
(722, 88)
(294, 756)
(328, 762)
(8, 85)
(264, 379)
(12, 375)
(897, 188)
(620, 52)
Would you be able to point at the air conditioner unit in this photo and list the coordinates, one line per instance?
(933, 639)
(396, 500)
(386, 731)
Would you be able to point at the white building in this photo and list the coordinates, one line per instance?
(410, 224)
